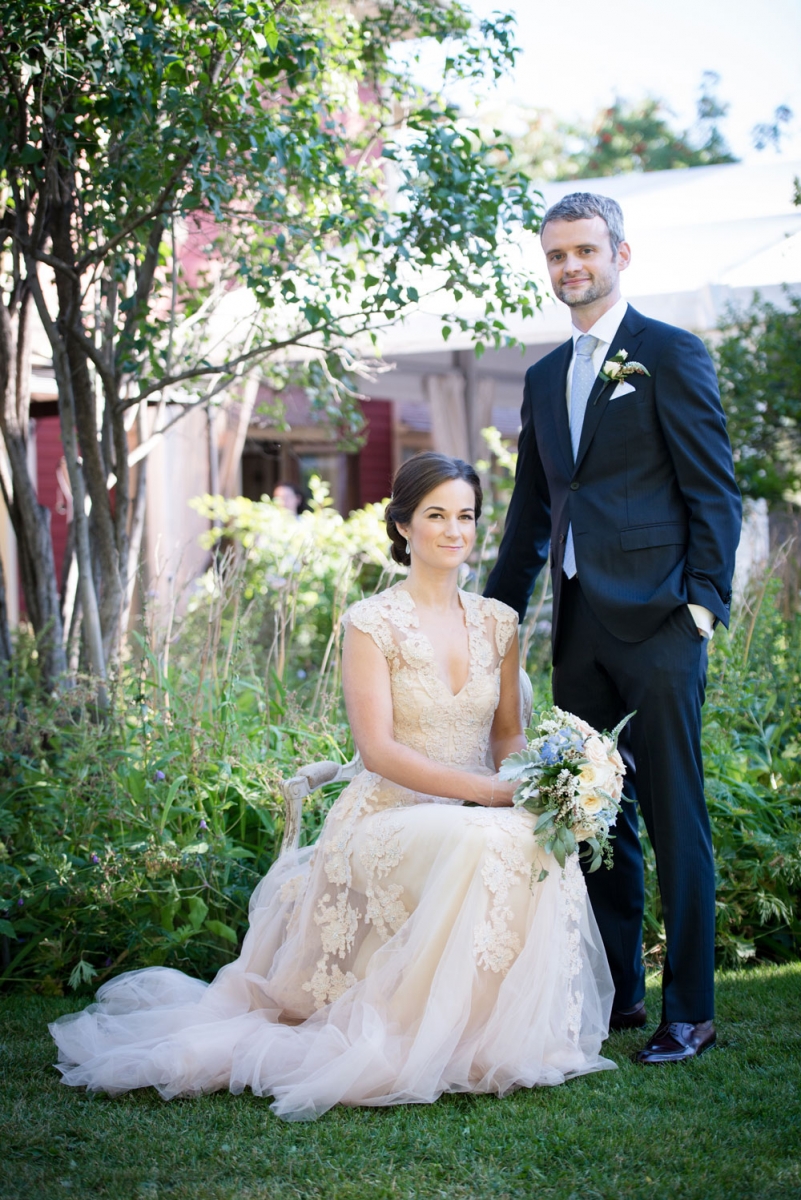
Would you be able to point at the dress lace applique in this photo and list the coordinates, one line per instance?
(505, 626)
(495, 945)
(338, 922)
(366, 615)
(327, 985)
(380, 854)
(572, 895)
(293, 889)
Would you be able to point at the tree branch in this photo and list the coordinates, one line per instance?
(155, 210)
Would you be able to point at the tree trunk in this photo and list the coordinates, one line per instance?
(30, 519)
(138, 511)
(69, 441)
(5, 632)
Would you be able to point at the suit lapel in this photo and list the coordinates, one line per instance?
(628, 337)
(559, 405)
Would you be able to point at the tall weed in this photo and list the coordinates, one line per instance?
(135, 837)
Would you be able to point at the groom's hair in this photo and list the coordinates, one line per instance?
(582, 206)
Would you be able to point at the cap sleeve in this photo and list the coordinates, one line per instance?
(367, 617)
(506, 623)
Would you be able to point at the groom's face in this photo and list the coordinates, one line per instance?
(581, 265)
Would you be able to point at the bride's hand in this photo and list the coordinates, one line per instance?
(501, 792)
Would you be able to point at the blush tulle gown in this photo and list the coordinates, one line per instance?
(408, 953)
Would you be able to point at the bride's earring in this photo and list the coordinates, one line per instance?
(408, 548)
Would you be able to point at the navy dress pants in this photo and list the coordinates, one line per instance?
(601, 679)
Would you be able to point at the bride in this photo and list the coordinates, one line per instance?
(412, 951)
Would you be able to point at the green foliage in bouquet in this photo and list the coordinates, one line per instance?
(571, 779)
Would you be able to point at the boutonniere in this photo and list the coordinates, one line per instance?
(616, 369)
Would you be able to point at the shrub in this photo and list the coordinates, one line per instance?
(136, 839)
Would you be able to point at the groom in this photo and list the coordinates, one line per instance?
(630, 480)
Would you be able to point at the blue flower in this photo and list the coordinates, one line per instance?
(551, 750)
(158, 776)
(95, 859)
(203, 825)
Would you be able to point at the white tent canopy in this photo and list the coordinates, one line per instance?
(702, 239)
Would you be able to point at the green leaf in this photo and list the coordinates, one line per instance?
(82, 972)
(171, 794)
(568, 840)
(271, 34)
(30, 154)
(621, 725)
(222, 930)
(7, 929)
(198, 910)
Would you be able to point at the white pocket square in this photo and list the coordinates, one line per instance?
(622, 389)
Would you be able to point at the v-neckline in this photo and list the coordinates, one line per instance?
(434, 664)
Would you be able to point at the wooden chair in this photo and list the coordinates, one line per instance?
(318, 774)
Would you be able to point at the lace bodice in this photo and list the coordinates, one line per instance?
(428, 717)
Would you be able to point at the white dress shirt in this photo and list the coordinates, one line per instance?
(605, 330)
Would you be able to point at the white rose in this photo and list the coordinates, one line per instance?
(594, 776)
(586, 730)
(591, 803)
(595, 751)
(612, 369)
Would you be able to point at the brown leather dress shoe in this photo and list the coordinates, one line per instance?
(628, 1018)
(676, 1041)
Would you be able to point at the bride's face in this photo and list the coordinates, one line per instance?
(442, 531)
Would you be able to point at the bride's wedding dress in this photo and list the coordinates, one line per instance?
(410, 952)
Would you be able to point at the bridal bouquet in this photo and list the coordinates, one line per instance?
(571, 777)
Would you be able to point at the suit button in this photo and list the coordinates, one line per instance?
(575, 485)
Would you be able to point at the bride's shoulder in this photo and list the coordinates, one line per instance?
(374, 614)
(501, 616)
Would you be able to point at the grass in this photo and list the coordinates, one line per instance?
(726, 1126)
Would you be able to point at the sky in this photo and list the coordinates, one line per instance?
(579, 55)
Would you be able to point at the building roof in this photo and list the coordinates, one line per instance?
(701, 238)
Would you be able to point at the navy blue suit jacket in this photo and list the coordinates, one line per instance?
(651, 495)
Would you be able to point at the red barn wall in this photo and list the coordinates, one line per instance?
(375, 458)
(48, 456)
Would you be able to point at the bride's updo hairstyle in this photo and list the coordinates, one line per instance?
(412, 483)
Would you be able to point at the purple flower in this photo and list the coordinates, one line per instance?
(95, 859)
(108, 962)
(20, 902)
(203, 825)
(159, 775)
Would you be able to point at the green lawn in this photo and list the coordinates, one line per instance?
(727, 1126)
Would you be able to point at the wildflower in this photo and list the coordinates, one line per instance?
(95, 859)
(159, 776)
(203, 825)
(20, 902)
